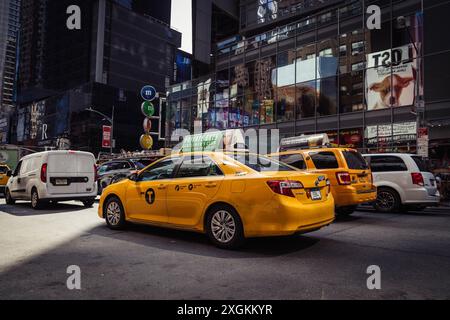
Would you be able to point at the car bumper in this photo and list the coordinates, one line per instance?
(350, 196)
(422, 196)
(287, 217)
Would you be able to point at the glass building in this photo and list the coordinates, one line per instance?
(318, 66)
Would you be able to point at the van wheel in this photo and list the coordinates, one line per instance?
(88, 203)
(9, 200)
(224, 227)
(36, 203)
(345, 211)
(388, 200)
(114, 213)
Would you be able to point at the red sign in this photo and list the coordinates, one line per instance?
(106, 140)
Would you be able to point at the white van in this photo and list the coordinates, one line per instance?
(404, 182)
(54, 176)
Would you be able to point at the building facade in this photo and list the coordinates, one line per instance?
(315, 66)
(118, 49)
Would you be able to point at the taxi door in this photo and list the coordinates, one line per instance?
(197, 181)
(146, 197)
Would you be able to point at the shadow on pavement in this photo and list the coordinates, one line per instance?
(198, 244)
(23, 209)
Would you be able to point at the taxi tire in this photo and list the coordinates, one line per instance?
(121, 224)
(238, 239)
(345, 211)
(9, 200)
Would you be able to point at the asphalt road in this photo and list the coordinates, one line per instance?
(36, 247)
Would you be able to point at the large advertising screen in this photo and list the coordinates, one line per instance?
(391, 78)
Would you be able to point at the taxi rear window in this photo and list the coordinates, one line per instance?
(260, 163)
(295, 160)
(324, 160)
(355, 160)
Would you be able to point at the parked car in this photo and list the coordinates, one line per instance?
(4, 176)
(348, 171)
(228, 196)
(115, 171)
(404, 182)
(53, 176)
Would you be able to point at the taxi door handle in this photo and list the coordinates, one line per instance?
(162, 187)
(211, 185)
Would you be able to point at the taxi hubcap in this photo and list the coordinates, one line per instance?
(113, 213)
(385, 200)
(223, 226)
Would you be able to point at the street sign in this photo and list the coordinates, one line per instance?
(423, 143)
(146, 142)
(106, 140)
(148, 109)
(147, 125)
(148, 93)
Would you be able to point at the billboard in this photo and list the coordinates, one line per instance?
(391, 78)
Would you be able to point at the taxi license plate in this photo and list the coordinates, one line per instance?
(61, 182)
(316, 195)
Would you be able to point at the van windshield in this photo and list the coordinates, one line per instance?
(355, 160)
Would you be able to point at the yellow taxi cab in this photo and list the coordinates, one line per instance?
(229, 196)
(4, 177)
(350, 175)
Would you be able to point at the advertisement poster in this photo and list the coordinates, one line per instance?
(391, 86)
(106, 139)
(399, 133)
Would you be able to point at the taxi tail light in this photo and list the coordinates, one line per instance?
(44, 173)
(344, 178)
(417, 179)
(95, 173)
(328, 186)
(285, 187)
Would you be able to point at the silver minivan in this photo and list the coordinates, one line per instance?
(53, 176)
(404, 182)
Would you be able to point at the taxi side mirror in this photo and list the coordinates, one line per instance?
(9, 173)
(133, 177)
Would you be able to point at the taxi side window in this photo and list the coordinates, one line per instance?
(198, 166)
(295, 160)
(159, 171)
(324, 160)
(3, 170)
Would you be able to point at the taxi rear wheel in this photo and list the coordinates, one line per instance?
(114, 213)
(345, 211)
(224, 227)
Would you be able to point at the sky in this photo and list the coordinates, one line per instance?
(181, 20)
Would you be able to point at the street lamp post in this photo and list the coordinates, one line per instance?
(110, 120)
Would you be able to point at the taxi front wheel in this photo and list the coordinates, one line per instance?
(114, 213)
(224, 227)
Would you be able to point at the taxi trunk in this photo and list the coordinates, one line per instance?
(307, 188)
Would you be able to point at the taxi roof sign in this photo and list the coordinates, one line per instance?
(305, 142)
(213, 141)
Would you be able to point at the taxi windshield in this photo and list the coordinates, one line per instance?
(260, 163)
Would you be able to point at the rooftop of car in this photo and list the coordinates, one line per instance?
(313, 150)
